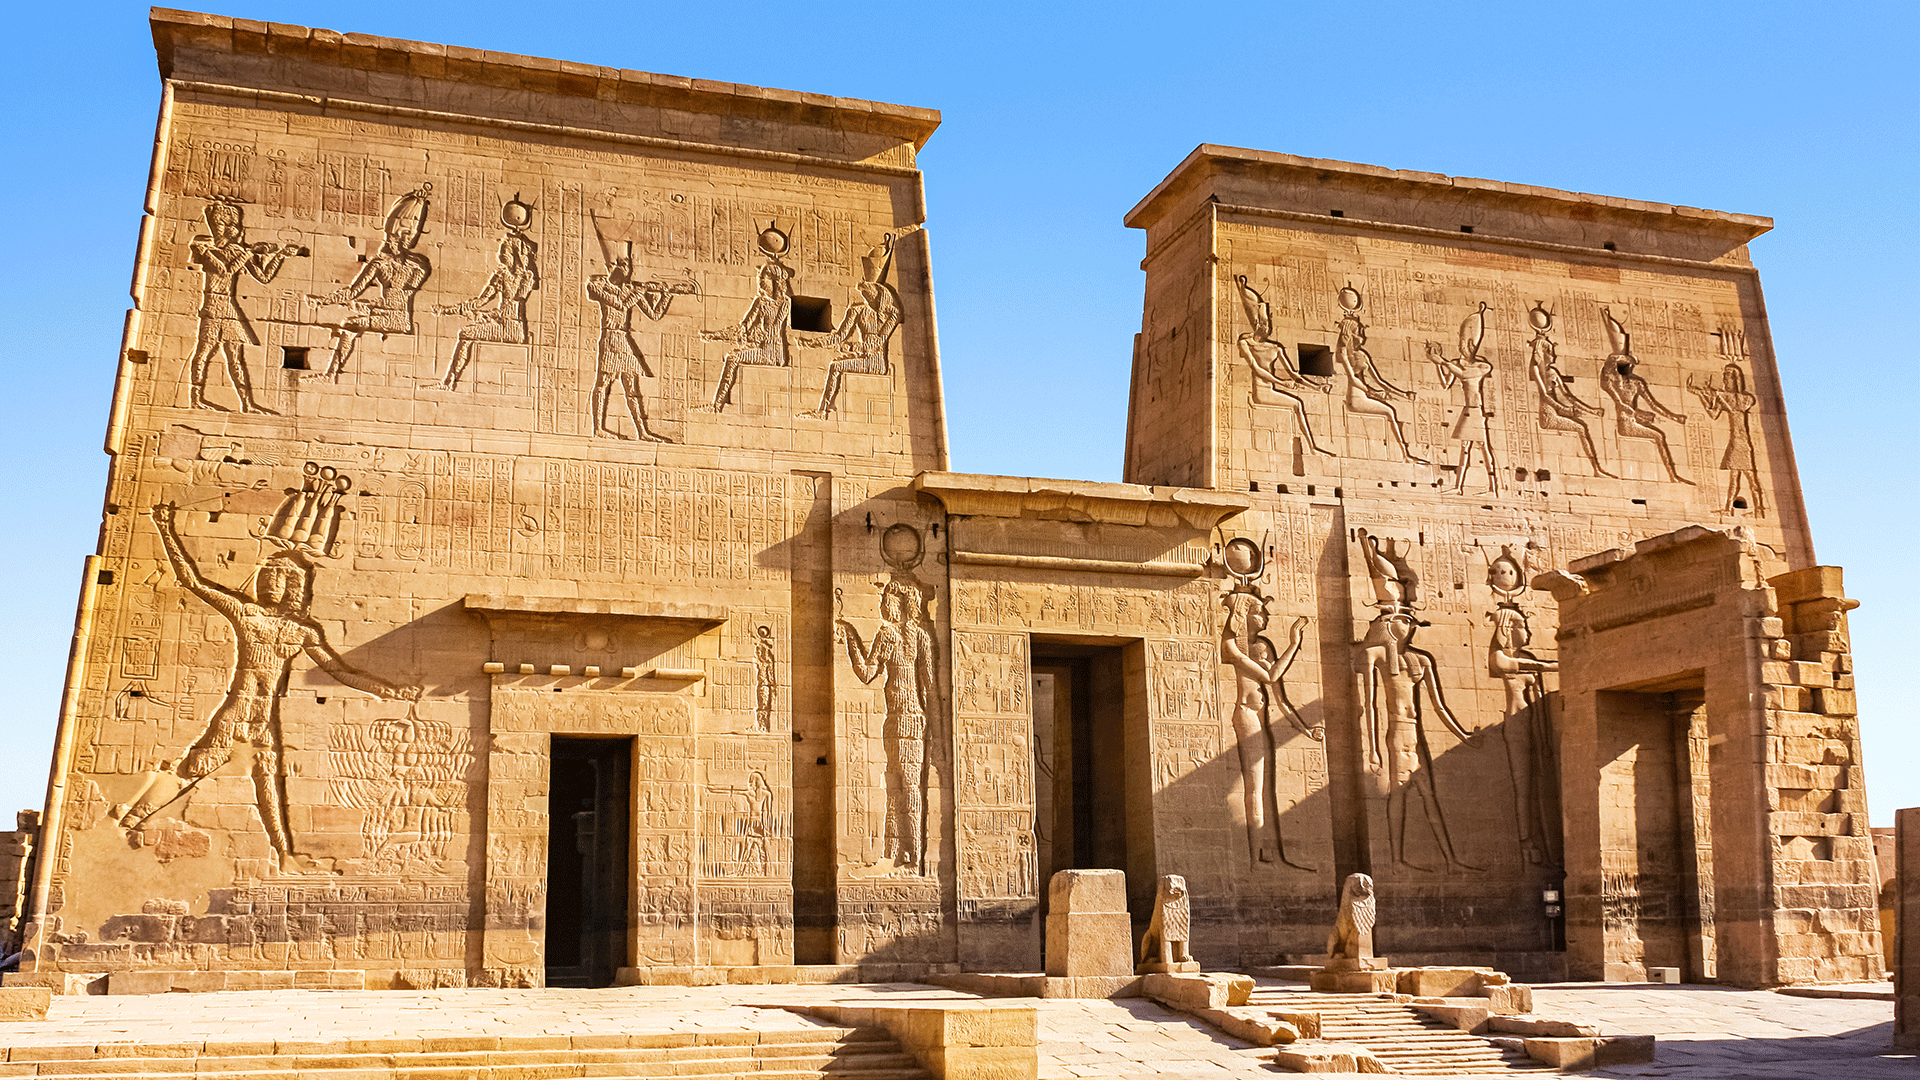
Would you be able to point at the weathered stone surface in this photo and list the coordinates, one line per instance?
(1088, 931)
(24, 1002)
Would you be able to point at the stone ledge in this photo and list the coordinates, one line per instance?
(954, 1041)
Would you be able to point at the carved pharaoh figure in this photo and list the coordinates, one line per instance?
(221, 256)
(272, 624)
(1635, 407)
(621, 362)
(1560, 408)
(1397, 677)
(1368, 392)
(863, 331)
(1472, 371)
(1270, 363)
(396, 271)
(499, 312)
(1352, 935)
(1734, 401)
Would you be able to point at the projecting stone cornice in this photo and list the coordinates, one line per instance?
(977, 495)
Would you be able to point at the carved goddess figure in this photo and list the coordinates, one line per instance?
(271, 624)
(902, 651)
(1270, 362)
(1258, 674)
(1368, 392)
(499, 312)
(396, 270)
(764, 679)
(1525, 730)
(1634, 406)
(863, 331)
(1471, 371)
(621, 361)
(222, 255)
(762, 332)
(1734, 401)
(1560, 409)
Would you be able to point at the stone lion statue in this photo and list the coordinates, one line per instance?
(1165, 943)
(1352, 936)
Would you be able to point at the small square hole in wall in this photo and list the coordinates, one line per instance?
(293, 357)
(813, 314)
(1466, 228)
(1739, 504)
(1315, 360)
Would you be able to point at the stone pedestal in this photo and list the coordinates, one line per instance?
(1089, 933)
(1347, 975)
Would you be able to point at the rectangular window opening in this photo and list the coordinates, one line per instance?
(813, 314)
(1315, 360)
(293, 357)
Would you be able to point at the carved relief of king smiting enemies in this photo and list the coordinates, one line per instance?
(902, 655)
(272, 624)
(1397, 679)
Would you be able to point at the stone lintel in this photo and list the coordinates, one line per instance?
(980, 495)
(663, 611)
(1262, 180)
(362, 67)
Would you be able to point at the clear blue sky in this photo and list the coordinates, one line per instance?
(1057, 120)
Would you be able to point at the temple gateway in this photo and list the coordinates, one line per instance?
(530, 556)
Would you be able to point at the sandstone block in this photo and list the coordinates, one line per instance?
(25, 1002)
(1315, 1056)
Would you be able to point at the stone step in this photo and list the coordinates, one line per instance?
(1404, 1040)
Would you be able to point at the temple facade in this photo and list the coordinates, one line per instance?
(530, 556)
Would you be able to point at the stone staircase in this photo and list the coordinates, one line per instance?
(1403, 1038)
(823, 1053)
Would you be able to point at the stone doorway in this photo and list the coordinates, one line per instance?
(1092, 799)
(1656, 849)
(589, 855)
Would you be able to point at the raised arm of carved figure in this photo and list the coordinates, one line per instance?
(653, 303)
(1646, 394)
(263, 261)
(1428, 674)
(348, 675)
(1295, 638)
(868, 662)
(219, 597)
(361, 282)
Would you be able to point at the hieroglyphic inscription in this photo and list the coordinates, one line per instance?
(994, 787)
(681, 523)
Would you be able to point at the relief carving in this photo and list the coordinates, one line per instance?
(499, 312)
(1471, 371)
(1270, 362)
(762, 332)
(765, 679)
(1368, 392)
(621, 361)
(222, 255)
(410, 777)
(1397, 679)
(902, 650)
(1527, 729)
(1635, 407)
(863, 331)
(1733, 400)
(1560, 408)
(1259, 670)
(271, 624)
(396, 270)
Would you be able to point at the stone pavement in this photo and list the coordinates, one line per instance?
(1705, 1033)
(1709, 1033)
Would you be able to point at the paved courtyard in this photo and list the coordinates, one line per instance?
(1705, 1033)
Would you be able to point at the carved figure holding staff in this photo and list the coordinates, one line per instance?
(222, 255)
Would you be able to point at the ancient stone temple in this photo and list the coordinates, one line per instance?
(530, 556)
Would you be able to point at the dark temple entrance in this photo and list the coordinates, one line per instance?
(589, 852)
(1092, 790)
